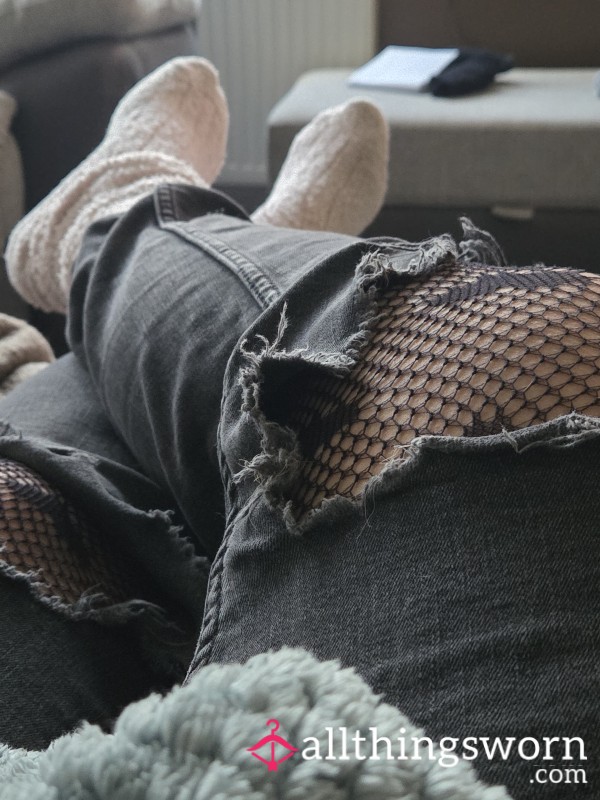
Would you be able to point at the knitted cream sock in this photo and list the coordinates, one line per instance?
(169, 128)
(335, 175)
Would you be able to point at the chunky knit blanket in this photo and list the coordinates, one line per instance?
(249, 731)
(23, 352)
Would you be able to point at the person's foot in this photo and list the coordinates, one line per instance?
(169, 128)
(178, 110)
(335, 175)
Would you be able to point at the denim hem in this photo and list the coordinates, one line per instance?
(171, 218)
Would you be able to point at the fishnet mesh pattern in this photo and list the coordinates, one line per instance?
(469, 351)
(43, 535)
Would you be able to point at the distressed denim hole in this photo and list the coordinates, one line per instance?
(467, 351)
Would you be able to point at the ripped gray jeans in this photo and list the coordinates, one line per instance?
(460, 580)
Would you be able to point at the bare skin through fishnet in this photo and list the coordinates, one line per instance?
(467, 352)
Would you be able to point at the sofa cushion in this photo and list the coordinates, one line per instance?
(31, 26)
(532, 139)
(11, 173)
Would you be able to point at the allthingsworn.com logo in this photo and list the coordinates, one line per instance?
(557, 759)
(269, 746)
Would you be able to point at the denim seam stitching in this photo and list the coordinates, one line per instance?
(214, 598)
(212, 616)
(166, 204)
(257, 283)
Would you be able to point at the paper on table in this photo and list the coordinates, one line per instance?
(403, 67)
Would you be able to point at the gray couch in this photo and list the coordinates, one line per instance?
(522, 158)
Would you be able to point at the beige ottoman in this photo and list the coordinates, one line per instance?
(522, 158)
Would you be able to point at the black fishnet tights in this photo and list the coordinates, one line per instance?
(44, 537)
(469, 351)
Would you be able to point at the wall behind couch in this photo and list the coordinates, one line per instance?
(261, 46)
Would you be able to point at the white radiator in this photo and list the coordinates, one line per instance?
(261, 46)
